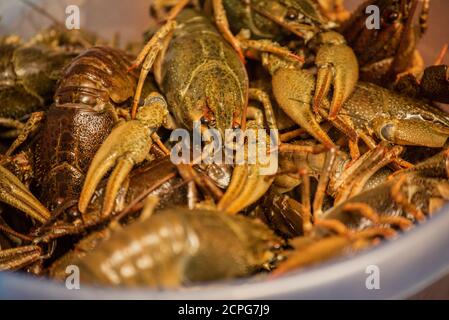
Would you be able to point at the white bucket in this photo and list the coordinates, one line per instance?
(407, 265)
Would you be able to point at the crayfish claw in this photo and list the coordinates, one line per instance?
(249, 190)
(292, 89)
(99, 167)
(128, 144)
(248, 183)
(121, 171)
(337, 65)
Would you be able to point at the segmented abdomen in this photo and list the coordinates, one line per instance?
(98, 75)
(91, 86)
(177, 247)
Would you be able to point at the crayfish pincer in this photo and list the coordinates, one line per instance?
(175, 247)
(204, 80)
(273, 20)
(128, 144)
(372, 113)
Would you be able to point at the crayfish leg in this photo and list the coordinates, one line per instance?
(17, 258)
(16, 194)
(32, 124)
(147, 57)
(223, 26)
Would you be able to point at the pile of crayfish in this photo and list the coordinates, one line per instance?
(351, 116)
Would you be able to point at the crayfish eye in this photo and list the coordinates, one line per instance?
(291, 14)
(387, 132)
(428, 117)
(391, 16)
(204, 121)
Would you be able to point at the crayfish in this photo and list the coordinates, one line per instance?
(355, 138)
